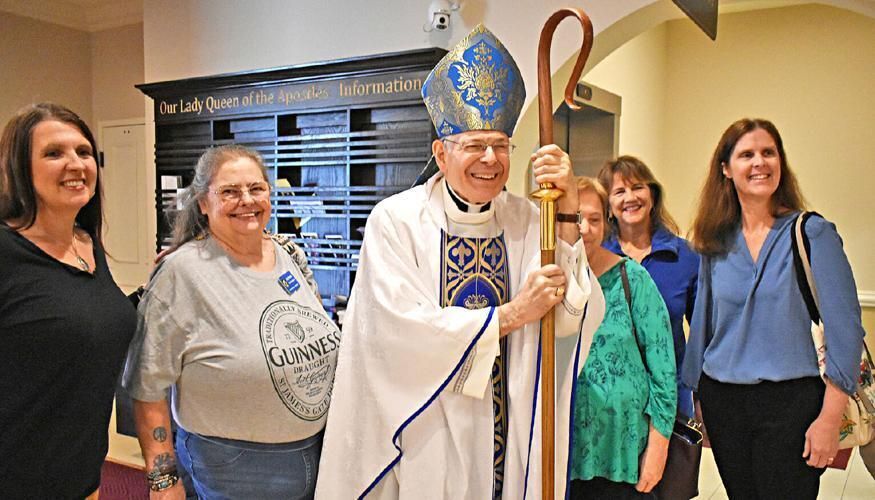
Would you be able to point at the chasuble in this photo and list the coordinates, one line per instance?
(428, 402)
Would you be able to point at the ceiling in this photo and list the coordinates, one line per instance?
(83, 15)
(98, 15)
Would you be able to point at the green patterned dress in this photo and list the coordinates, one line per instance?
(615, 397)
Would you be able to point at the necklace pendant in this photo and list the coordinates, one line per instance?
(84, 265)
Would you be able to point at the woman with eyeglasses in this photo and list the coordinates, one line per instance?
(232, 323)
(64, 324)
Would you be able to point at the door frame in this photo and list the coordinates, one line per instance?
(142, 182)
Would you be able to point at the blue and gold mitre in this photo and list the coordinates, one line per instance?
(476, 86)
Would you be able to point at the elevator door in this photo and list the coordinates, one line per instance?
(590, 134)
(591, 137)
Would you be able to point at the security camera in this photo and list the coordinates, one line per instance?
(439, 13)
(440, 20)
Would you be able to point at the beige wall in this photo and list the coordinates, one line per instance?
(642, 87)
(788, 65)
(869, 326)
(91, 73)
(43, 62)
(117, 65)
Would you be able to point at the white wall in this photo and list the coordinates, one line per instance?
(642, 85)
(202, 37)
(188, 38)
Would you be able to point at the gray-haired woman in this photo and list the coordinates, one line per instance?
(233, 323)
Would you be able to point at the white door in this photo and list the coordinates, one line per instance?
(125, 203)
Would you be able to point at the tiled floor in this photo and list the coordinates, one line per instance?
(854, 483)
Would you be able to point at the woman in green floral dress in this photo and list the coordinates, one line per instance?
(623, 411)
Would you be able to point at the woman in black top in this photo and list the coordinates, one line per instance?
(64, 324)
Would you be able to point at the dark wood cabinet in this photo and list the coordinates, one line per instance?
(337, 137)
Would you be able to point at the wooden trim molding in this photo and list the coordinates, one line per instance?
(409, 60)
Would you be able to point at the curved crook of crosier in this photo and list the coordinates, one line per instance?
(545, 91)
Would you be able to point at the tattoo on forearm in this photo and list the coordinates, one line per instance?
(164, 463)
(159, 434)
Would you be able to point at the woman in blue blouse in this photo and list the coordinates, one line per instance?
(772, 421)
(642, 229)
(624, 410)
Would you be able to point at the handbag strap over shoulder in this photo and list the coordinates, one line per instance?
(627, 292)
(802, 263)
(807, 287)
(298, 257)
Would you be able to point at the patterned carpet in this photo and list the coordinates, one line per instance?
(119, 482)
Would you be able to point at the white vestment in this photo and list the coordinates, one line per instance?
(400, 424)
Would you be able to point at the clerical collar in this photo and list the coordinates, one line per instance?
(469, 208)
(461, 211)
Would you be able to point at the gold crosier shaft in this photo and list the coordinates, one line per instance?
(547, 196)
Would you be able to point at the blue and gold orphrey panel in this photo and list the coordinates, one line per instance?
(474, 272)
(476, 86)
(474, 275)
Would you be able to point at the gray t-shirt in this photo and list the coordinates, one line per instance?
(250, 361)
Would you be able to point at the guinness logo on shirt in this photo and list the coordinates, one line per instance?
(300, 346)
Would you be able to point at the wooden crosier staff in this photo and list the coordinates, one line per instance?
(547, 195)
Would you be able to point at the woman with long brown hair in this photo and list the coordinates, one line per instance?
(64, 324)
(642, 229)
(772, 421)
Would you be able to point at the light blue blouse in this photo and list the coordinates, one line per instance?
(750, 323)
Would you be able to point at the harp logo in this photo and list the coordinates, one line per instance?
(300, 349)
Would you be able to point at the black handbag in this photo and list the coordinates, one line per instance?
(680, 479)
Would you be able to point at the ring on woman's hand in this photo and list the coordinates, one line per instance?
(560, 290)
(830, 459)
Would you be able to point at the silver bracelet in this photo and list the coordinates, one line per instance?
(163, 481)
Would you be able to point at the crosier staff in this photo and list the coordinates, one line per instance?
(547, 196)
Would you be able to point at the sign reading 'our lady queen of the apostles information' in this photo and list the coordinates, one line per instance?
(291, 97)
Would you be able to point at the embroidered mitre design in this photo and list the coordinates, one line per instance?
(476, 86)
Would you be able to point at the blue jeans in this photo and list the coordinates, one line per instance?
(230, 469)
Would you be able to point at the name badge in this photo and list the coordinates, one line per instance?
(288, 283)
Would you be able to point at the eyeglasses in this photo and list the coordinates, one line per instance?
(479, 148)
(233, 192)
